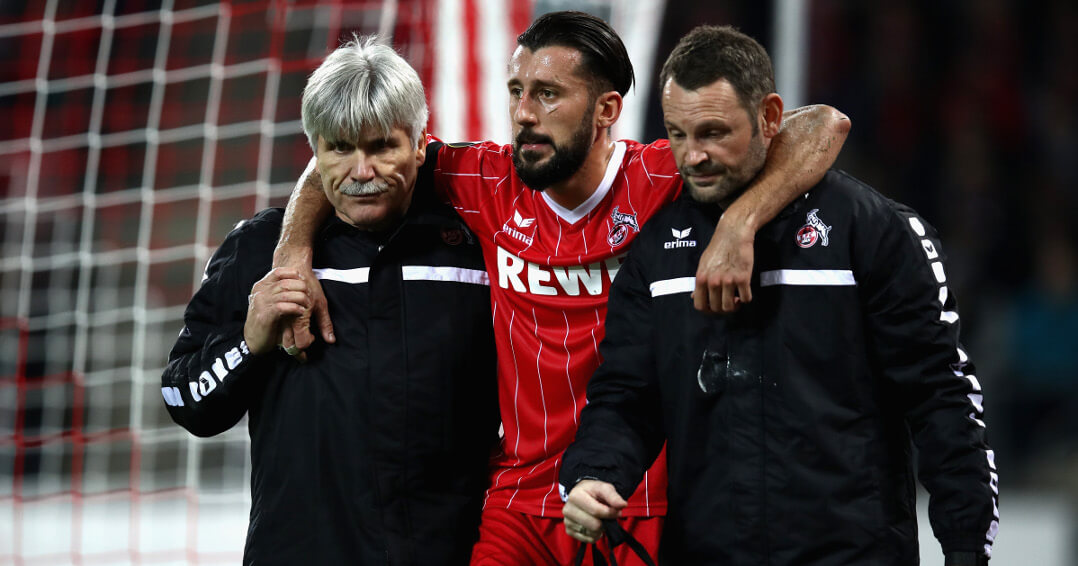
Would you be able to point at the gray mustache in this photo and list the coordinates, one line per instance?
(372, 187)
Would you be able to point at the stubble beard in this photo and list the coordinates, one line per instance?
(732, 181)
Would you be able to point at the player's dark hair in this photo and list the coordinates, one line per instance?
(710, 53)
(604, 56)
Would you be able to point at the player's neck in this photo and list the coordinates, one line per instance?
(572, 192)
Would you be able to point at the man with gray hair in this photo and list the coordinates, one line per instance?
(374, 450)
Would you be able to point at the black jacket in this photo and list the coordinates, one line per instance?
(789, 423)
(376, 450)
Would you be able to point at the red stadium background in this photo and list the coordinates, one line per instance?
(135, 134)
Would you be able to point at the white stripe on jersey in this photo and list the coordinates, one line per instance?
(516, 389)
(594, 342)
(673, 286)
(517, 490)
(542, 391)
(444, 273)
(501, 182)
(628, 199)
(647, 494)
(497, 481)
(825, 277)
(354, 276)
(553, 486)
(569, 378)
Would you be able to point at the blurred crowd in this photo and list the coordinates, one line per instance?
(966, 111)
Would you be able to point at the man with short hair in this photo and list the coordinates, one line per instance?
(375, 450)
(787, 425)
(555, 213)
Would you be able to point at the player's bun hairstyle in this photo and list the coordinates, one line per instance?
(605, 58)
(363, 86)
(710, 53)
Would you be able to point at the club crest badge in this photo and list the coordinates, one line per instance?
(623, 223)
(813, 231)
(456, 236)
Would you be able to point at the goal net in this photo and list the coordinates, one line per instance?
(134, 135)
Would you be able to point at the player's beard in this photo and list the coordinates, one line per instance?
(732, 180)
(563, 163)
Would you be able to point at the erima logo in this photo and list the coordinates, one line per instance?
(679, 239)
(572, 280)
(520, 221)
(523, 224)
(930, 249)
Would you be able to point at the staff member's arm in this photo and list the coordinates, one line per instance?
(620, 432)
(914, 338)
(228, 325)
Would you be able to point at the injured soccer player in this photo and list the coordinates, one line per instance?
(554, 213)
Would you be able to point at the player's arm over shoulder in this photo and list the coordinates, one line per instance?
(806, 146)
(802, 151)
(465, 166)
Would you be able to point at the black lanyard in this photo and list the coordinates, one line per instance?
(616, 536)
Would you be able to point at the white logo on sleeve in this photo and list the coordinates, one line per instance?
(679, 240)
(221, 368)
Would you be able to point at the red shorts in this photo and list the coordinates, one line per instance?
(511, 538)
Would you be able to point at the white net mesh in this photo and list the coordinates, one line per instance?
(134, 136)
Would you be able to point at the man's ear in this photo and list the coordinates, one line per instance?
(771, 115)
(421, 147)
(608, 107)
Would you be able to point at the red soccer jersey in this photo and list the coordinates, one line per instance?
(550, 271)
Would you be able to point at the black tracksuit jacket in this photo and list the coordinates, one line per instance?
(789, 424)
(376, 450)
